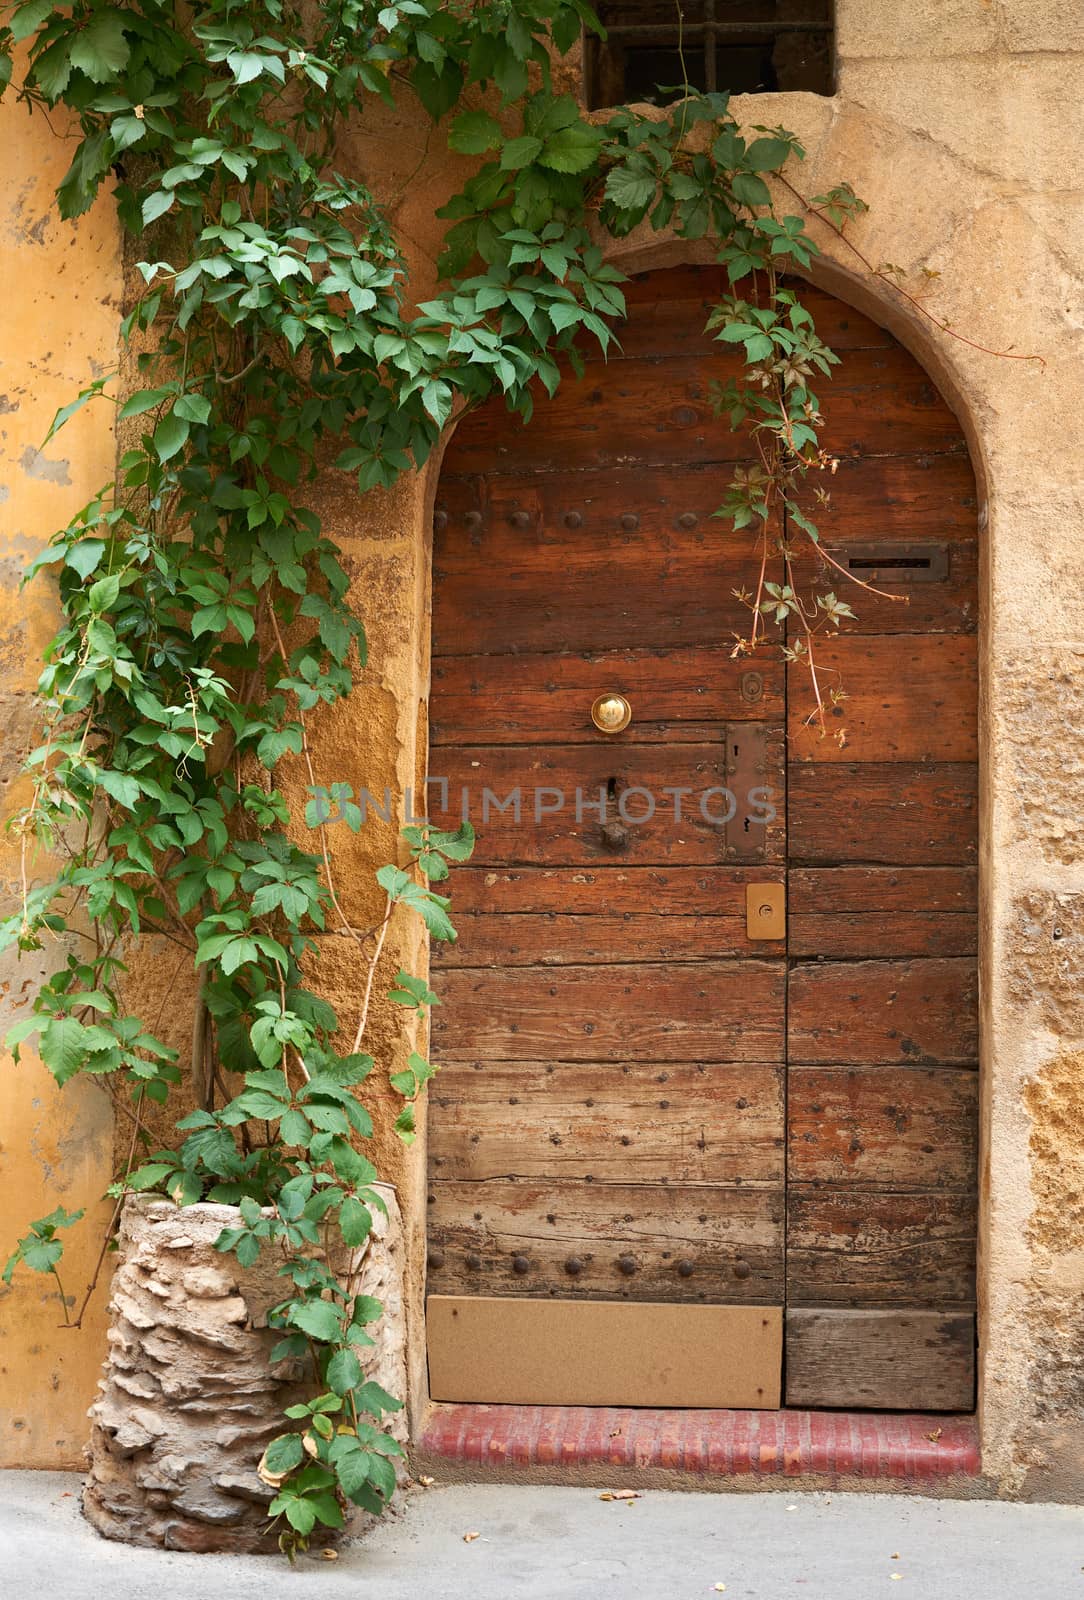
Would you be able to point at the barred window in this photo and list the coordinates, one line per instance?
(744, 46)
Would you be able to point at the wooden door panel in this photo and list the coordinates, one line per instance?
(552, 940)
(948, 606)
(665, 407)
(702, 1011)
(657, 1122)
(534, 916)
(548, 832)
(523, 521)
(890, 495)
(656, 585)
(909, 698)
(668, 313)
(883, 1360)
(901, 814)
(505, 1351)
(625, 1073)
(616, 890)
(677, 696)
(922, 1012)
(882, 911)
(892, 1128)
(852, 1246)
(608, 1241)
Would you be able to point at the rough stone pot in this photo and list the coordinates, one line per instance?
(189, 1398)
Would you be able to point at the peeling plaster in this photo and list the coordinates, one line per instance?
(36, 465)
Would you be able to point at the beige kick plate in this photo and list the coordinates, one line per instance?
(766, 910)
(603, 1353)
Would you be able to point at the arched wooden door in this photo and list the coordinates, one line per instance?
(672, 1160)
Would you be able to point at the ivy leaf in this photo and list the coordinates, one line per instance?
(471, 133)
(123, 789)
(352, 1467)
(572, 149)
(343, 1371)
(372, 1398)
(63, 1047)
(100, 49)
(284, 1453)
(155, 205)
(27, 19)
(367, 1308)
(170, 436)
(299, 1513)
(41, 1255)
(629, 189)
(750, 190)
(355, 1222)
(148, 1176)
(520, 152)
(53, 70)
(767, 155)
(320, 1319)
(84, 556)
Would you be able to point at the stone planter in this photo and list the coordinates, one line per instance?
(188, 1398)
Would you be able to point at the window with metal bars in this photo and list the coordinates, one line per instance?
(654, 47)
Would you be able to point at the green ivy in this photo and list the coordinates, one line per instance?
(206, 610)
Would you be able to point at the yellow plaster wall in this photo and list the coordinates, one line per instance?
(58, 331)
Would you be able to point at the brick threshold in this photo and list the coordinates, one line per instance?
(893, 1448)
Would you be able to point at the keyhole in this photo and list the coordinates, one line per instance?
(611, 793)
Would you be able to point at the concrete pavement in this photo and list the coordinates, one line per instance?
(567, 1544)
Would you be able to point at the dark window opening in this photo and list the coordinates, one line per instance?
(742, 46)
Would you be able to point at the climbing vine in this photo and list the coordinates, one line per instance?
(207, 613)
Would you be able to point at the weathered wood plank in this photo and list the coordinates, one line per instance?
(950, 606)
(657, 1122)
(552, 940)
(668, 312)
(615, 890)
(891, 1127)
(677, 696)
(852, 1246)
(882, 911)
(885, 495)
(883, 1360)
(898, 814)
(660, 412)
(607, 1241)
(674, 829)
(700, 1011)
(897, 1012)
(908, 698)
(559, 1352)
(658, 586)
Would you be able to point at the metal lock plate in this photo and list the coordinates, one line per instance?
(766, 910)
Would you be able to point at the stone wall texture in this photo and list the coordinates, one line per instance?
(958, 122)
(189, 1400)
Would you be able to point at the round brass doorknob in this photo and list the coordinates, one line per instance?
(611, 713)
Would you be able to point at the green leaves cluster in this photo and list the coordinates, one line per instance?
(207, 611)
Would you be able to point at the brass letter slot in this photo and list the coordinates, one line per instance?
(766, 910)
(881, 564)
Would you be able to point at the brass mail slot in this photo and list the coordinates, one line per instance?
(766, 910)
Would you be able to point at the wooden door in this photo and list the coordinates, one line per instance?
(610, 1124)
